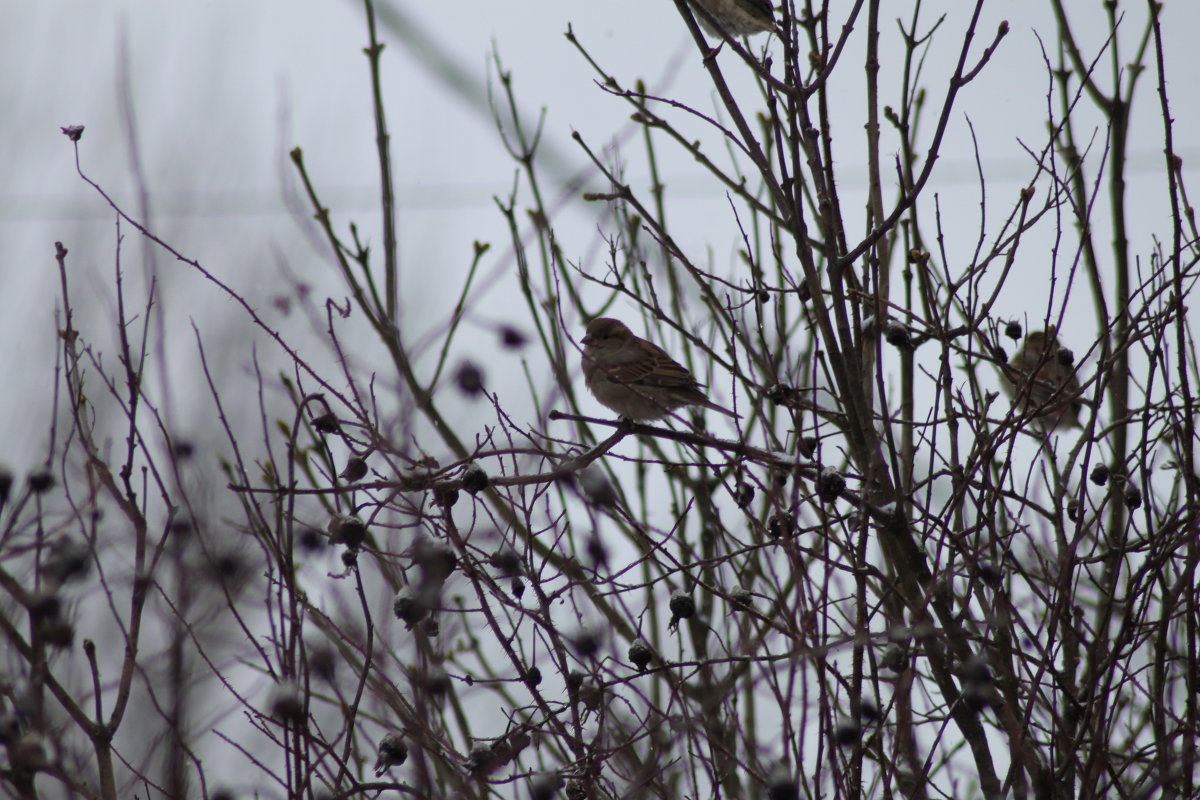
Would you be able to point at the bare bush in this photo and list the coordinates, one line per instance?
(884, 578)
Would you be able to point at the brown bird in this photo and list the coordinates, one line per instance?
(635, 378)
(737, 17)
(1041, 380)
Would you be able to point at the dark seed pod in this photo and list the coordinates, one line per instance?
(350, 557)
(847, 731)
(1013, 330)
(6, 482)
(744, 495)
(57, 633)
(781, 525)
(533, 676)
(990, 573)
(830, 485)
(1065, 356)
(682, 606)
(893, 658)
(323, 662)
(311, 540)
(518, 588)
(596, 552)
(511, 338)
(436, 682)
(866, 712)
(976, 670)
(287, 704)
(807, 446)
(41, 481)
(348, 530)
(356, 470)
(595, 486)
(327, 423)
(506, 561)
(1073, 510)
(780, 394)
(781, 784)
(474, 479)
(481, 761)
(640, 655)
(446, 498)
(977, 696)
(1133, 496)
(898, 335)
(587, 643)
(1099, 474)
(408, 608)
(469, 379)
(67, 560)
(392, 753)
(545, 786)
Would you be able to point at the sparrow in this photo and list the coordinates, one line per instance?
(737, 17)
(635, 378)
(1041, 380)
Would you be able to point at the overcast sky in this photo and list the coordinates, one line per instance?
(221, 90)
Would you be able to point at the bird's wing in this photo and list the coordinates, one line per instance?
(658, 370)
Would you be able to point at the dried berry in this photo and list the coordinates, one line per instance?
(847, 731)
(744, 495)
(287, 704)
(640, 655)
(67, 560)
(1099, 474)
(807, 446)
(892, 658)
(533, 676)
(544, 786)
(506, 561)
(474, 479)
(327, 423)
(830, 485)
(1133, 497)
(347, 529)
(990, 573)
(781, 784)
(682, 606)
(408, 608)
(781, 525)
(392, 753)
(356, 469)
(41, 481)
(469, 379)
(311, 540)
(511, 338)
(518, 588)
(898, 335)
(1013, 330)
(587, 643)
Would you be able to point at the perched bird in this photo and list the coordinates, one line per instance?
(635, 378)
(737, 17)
(1041, 380)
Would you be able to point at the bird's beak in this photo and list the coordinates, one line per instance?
(586, 340)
